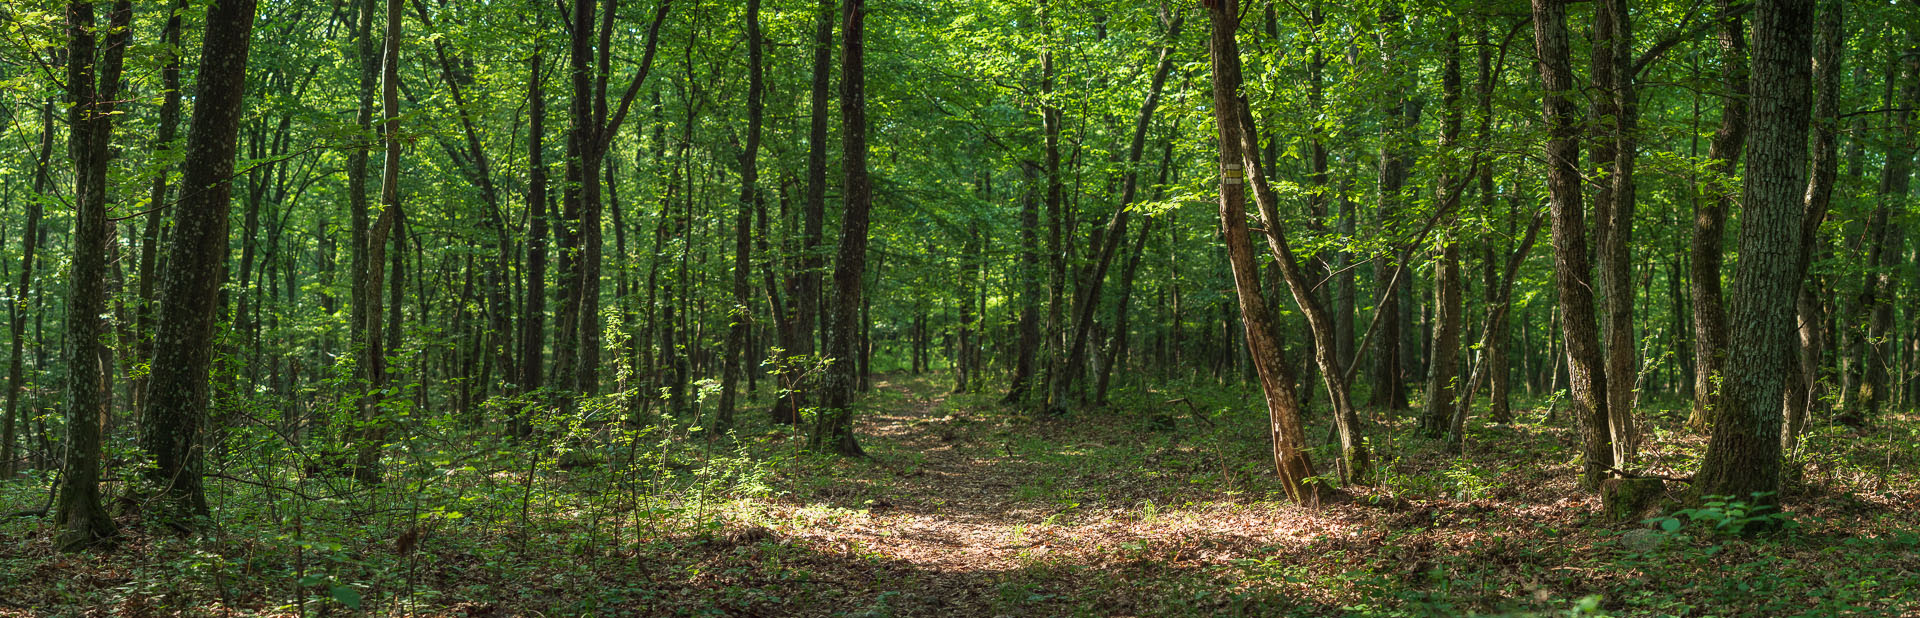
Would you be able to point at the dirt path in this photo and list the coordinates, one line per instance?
(968, 505)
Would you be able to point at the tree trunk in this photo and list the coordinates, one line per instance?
(1803, 370)
(1617, 109)
(1054, 378)
(382, 230)
(1291, 461)
(1573, 275)
(533, 314)
(1710, 220)
(1443, 362)
(1389, 392)
(1743, 458)
(742, 311)
(83, 522)
(167, 130)
(1021, 385)
(196, 251)
(806, 280)
(835, 429)
(16, 308)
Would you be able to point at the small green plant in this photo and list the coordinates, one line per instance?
(1723, 515)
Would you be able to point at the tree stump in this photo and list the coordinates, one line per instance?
(1629, 499)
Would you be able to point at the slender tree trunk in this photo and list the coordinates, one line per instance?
(1878, 352)
(83, 522)
(17, 307)
(167, 130)
(1572, 273)
(1443, 366)
(1117, 350)
(1618, 107)
(742, 312)
(196, 251)
(1054, 379)
(1291, 461)
(533, 315)
(1803, 370)
(1743, 458)
(383, 229)
(1389, 392)
(1021, 385)
(835, 430)
(1094, 273)
(1710, 220)
(806, 280)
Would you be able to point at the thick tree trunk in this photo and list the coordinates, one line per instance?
(1573, 275)
(1743, 458)
(195, 254)
(835, 429)
(1710, 220)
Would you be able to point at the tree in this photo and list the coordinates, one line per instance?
(83, 522)
(1743, 458)
(835, 430)
(1290, 459)
(179, 391)
(1572, 273)
(1710, 218)
(16, 308)
(743, 228)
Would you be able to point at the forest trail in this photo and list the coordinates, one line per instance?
(980, 511)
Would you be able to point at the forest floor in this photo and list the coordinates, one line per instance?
(964, 508)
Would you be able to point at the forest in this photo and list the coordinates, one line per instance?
(959, 308)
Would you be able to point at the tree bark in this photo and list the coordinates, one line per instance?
(1291, 462)
(195, 254)
(1442, 368)
(1389, 391)
(83, 522)
(742, 313)
(1743, 458)
(534, 309)
(806, 278)
(1616, 109)
(1572, 273)
(835, 429)
(1803, 370)
(1710, 220)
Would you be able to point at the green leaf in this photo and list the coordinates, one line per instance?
(1669, 524)
(313, 579)
(347, 596)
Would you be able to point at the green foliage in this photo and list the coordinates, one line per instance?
(1725, 516)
